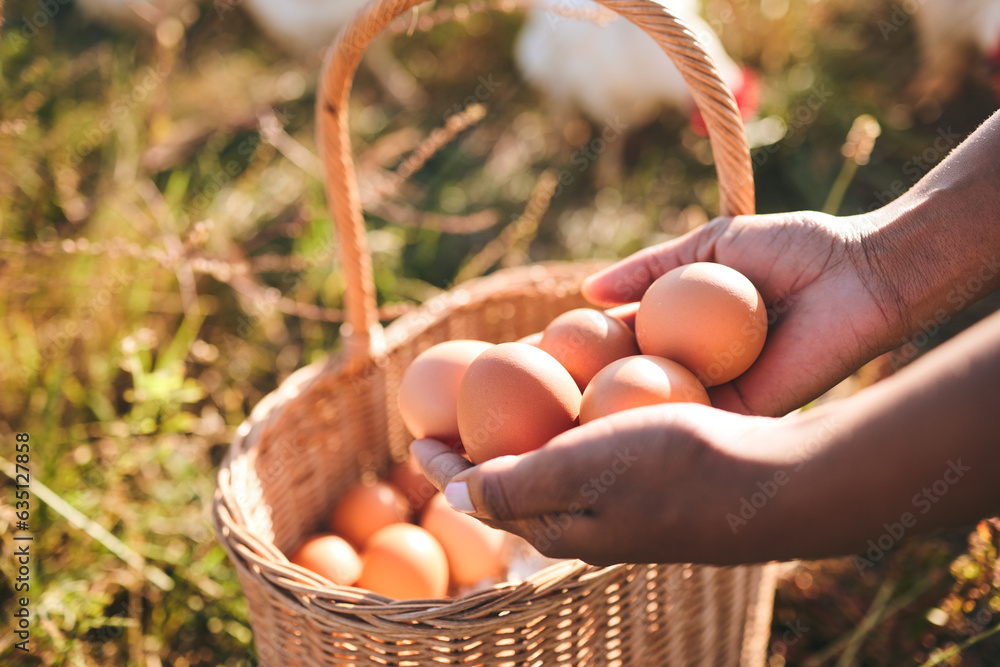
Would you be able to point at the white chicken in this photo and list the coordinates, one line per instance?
(612, 69)
(132, 14)
(954, 35)
(302, 27)
(305, 28)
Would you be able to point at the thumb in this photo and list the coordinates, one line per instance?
(501, 489)
(549, 480)
(508, 489)
(626, 281)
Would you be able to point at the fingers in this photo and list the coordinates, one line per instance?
(502, 489)
(510, 493)
(581, 491)
(728, 397)
(514, 488)
(551, 480)
(532, 498)
(564, 535)
(625, 313)
(506, 488)
(627, 280)
(438, 461)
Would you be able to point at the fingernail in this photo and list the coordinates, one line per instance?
(457, 495)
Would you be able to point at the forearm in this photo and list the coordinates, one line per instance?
(941, 240)
(915, 452)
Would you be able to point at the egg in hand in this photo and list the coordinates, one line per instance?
(513, 399)
(705, 316)
(585, 340)
(636, 382)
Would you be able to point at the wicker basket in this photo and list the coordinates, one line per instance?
(332, 423)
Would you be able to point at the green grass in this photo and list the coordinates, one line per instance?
(148, 225)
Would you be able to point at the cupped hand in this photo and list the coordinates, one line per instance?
(832, 304)
(656, 484)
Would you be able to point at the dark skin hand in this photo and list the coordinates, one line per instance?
(667, 483)
(921, 449)
(809, 268)
(841, 291)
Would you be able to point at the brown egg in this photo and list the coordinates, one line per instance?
(514, 398)
(475, 551)
(429, 390)
(625, 313)
(367, 508)
(585, 340)
(404, 562)
(707, 317)
(329, 556)
(637, 381)
(408, 478)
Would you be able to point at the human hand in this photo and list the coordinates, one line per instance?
(831, 298)
(684, 482)
(651, 484)
(839, 291)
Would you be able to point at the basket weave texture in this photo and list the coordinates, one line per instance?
(334, 423)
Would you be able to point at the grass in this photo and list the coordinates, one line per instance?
(166, 259)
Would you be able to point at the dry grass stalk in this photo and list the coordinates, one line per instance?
(427, 149)
(153, 574)
(272, 132)
(517, 234)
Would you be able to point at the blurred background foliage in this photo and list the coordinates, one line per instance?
(166, 259)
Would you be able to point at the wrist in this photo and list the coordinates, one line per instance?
(931, 255)
(780, 505)
(807, 517)
(918, 449)
(937, 247)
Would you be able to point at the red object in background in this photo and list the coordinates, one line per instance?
(747, 95)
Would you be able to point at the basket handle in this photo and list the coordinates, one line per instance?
(362, 332)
